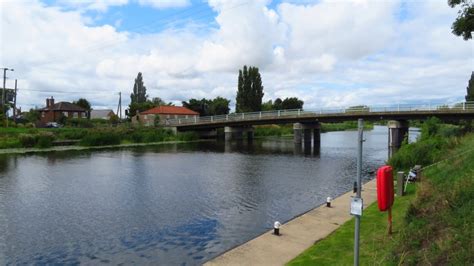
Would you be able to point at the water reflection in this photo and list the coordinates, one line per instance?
(168, 204)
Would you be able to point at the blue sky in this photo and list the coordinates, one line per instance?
(328, 53)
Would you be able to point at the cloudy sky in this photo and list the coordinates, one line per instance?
(328, 52)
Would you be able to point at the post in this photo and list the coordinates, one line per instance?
(464, 106)
(260, 115)
(299, 112)
(359, 188)
(278, 113)
(14, 102)
(3, 92)
(400, 184)
(390, 221)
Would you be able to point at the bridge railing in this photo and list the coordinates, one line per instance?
(400, 108)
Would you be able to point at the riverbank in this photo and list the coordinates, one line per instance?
(434, 225)
(287, 130)
(47, 138)
(80, 148)
(296, 235)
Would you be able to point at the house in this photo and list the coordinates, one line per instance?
(54, 112)
(164, 112)
(105, 114)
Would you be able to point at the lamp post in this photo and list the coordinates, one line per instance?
(4, 88)
(4, 83)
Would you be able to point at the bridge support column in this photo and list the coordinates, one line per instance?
(310, 135)
(397, 132)
(238, 133)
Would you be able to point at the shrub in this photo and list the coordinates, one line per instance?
(27, 140)
(100, 138)
(6, 143)
(30, 125)
(45, 140)
(79, 122)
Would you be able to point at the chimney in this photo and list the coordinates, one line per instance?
(49, 101)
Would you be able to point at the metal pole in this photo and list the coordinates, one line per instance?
(3, 92)
(359, 189)
(14, 103)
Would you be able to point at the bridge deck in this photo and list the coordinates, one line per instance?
(445, 112)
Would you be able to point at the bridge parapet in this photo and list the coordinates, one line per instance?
(363, 110)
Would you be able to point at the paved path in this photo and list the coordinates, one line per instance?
(297, 235)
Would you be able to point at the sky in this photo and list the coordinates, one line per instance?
(329, 53)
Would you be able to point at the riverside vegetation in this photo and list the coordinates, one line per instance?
(46, 137)
(287, 130)
(433, 223)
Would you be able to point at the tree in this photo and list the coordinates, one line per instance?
(292, 103)
(277, 105)
(464, 23)
(200, 106)
(205, 107)
(83, 103)
(157, 101)
(219, 106)
(33, 115)
(267, 106)
(470, 89)
(133, 108)
(249, 90)
(139, 90)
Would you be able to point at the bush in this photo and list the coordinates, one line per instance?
(79, 122)
(100, 138)
(27, 140)
(45, 140)
(30, 125)
(6, 143)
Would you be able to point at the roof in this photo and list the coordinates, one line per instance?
(170, 110)
(101, 113)
(64, 106)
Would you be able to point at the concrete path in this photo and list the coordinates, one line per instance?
(297, 235)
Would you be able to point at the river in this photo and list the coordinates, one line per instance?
(167, 204)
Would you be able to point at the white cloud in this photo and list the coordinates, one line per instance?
(329, 53)
(164, 3)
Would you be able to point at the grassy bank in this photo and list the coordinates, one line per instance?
(45, 138)
(433, 224)
(287, 130)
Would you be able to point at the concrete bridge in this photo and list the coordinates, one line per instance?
(306, 123)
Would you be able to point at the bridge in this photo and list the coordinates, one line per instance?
(306, 123)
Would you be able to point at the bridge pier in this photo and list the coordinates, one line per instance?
(307, 134)
(238, 133)
(397, 132)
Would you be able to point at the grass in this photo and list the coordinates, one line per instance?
(375, 243)
(433, 224)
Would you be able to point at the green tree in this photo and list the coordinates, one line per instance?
(249, 90)
(133, 108)
(219, 106)
(200, 106)
(470, 88)
(205, 107)
(292, 103)
(139, 90)
(464, 23)
(267, 106)
(278, 104)
(83, 103)
(33, 115)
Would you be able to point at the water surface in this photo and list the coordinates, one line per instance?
(168, 204)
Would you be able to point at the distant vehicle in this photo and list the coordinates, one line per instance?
(52, 125)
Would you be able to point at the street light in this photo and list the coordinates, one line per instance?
(4, 83)
(3, 92)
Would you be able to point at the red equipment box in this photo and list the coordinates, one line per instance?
(385, 187)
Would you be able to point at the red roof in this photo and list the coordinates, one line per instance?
(170, 110)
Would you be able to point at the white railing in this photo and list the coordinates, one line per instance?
(276, 114)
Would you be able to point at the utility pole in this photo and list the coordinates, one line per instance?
(3, 92)
(119, 106)
(14, 102)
